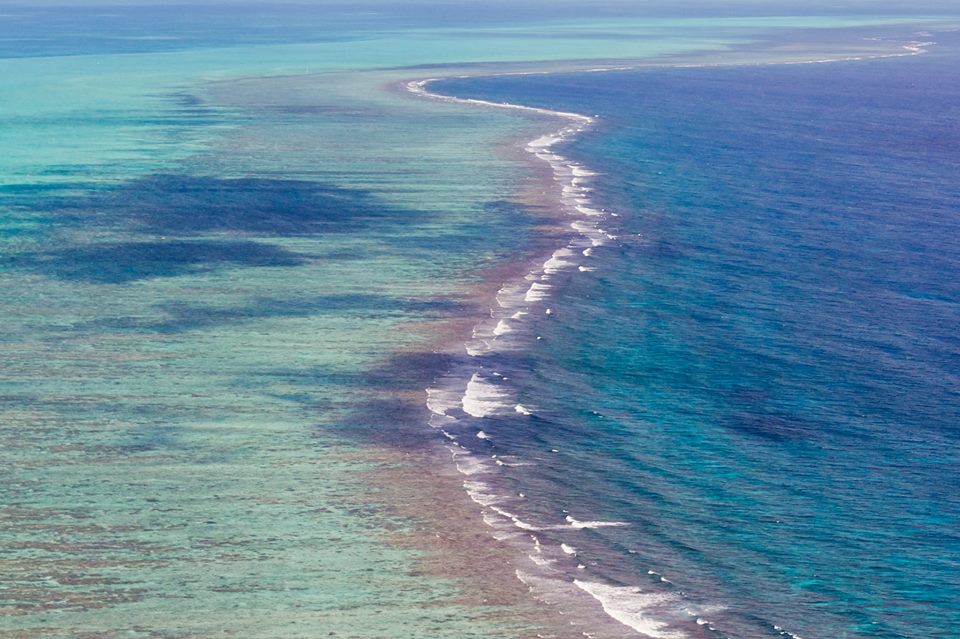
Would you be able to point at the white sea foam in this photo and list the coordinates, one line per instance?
(558, 261)
(420, 88)
(479, 491)
(570, 550)
(537, 292)
(518, 464)
(469, 465)
(442, 400)
(511, 294)
(522, 410)
(586, 210)
(502, 328)
(440, 422)
(576, 523)
(489, 519)
(543, 142)
(632, 608)
(541, 561)
(476, 349)
(519, 523)
(483, 398)
(786, 632)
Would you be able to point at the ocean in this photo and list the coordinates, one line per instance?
(744, 399)
(242, 262)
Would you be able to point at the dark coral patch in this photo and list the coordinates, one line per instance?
(129, 261)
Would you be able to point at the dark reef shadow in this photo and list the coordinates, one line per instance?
(190, 224)
(181, 317)
(128, 261)
(170, 204)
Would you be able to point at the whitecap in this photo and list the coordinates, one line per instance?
(469, 465)
(483, 399)
(576, 523)
(502, 328)
(519, 523)
(536, 292)
(441, 400)
(786, 632)
(540, 560)
(558, 261)
(477, 348)
(544, 141)
(632, 608)
(586, 210)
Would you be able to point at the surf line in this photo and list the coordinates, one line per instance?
(419, 87)
(462, 402)
(514, 301)
(473, 392)
(519, 301)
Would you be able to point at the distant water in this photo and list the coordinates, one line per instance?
(759, 377)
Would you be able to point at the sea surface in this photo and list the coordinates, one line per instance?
(739, 411)
(235, 252)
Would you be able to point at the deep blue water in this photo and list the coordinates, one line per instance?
(762, 377)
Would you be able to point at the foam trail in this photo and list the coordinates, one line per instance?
(502, 328)
(468, 464)
(786, 633)
(420, 88)
(573, 179)
(579, 525)
(519, 523)
(442, 400)
(632, 608)
(537, 292)
(483, 399)
(558, 261)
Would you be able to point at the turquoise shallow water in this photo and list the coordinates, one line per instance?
(204, 281)
(226, 253)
